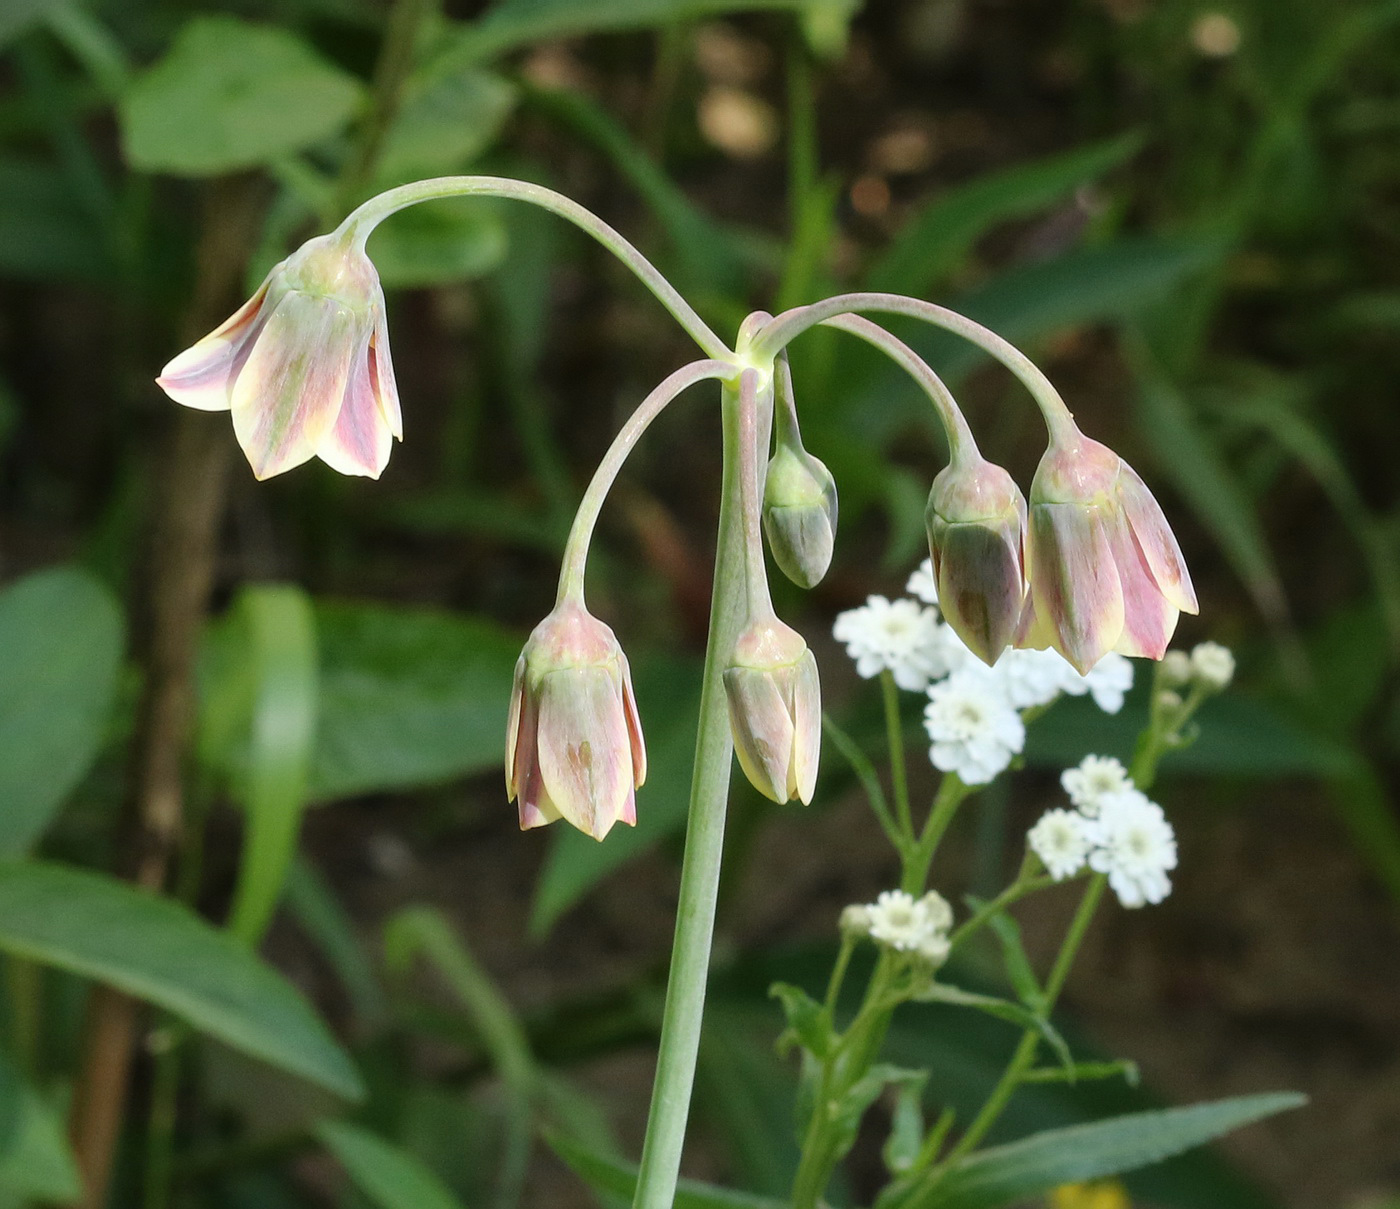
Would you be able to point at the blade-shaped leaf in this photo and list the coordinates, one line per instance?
(387, 1174)
(60, 652)
(35, 1162)
(159, 951)
(1005, 1174)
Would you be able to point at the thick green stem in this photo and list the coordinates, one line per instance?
(776, 336)
(359, 224)
(709, 795)
(576, 551)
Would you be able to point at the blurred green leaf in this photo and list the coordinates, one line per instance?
(1364, 804)
(387, 1174)
(609, 1175)
(18, 15)
(320, 915)
(48, 233)
(1001, 1175)
(35, 1161)
(438, 241)
(281, 660)
(157, 950)
(847, 1113)
(906, 1138)
(1002, 1009)
(668, 698)
(937, 237)
(806, 1018)
(230, 95)
(447, 118)
(409, 697)
(60, 653)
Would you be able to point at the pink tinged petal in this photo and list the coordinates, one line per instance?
(584, 755)
(762, 730)
(1156, 540)
(513, 729)
(289, 393)
(386, 388)
(203, 374)
(634, 728)
(1076, 583)
(359, 441)
(1149, 618)
(806, 728)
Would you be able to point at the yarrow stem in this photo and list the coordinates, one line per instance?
(790, 324)
(899, 771)
(363, 220)
(571, 575)
(699, 887)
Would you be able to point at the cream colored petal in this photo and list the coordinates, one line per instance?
(583, 747)
(359, 441)
(385, 385)
(513, 727)
(202, 376)
(762, 730)
(1149, 618)
(806, 729)
(1078, 594)
(634, 726)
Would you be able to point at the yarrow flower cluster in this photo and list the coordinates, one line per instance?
(899, 921)
(1115, 829)
(973, 716)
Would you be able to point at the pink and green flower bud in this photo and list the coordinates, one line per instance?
(976, 526)
(775, 710)
(303, 366)
(574, 745)
(799, 514)
(1104, 571)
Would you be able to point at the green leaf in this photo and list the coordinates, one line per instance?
(806, 1018)
(1001, 1175)
(1018, 965)
(18, 15)
(608, 1175)
(409, 697)
(60, 653)
(906, 1129)
(35, 1161)
(448, 117)
(280, 656)
(438, 241)
(47, 232)
(314, 906)
(668, 697)
(159, 951)
(847, 1112)
(230, 95)
(1002, 1009)
(939, 235)
(387, 1174)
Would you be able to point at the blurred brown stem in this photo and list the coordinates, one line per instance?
(188, 504)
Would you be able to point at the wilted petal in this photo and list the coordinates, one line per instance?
(203, 374)
(1075, 582)
(288, 394)
(1156, 540)
(359, 441)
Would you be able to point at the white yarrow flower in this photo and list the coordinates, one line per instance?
(974, 729)
(1061, 841)
(899, 921)
(1032, 678)
(921, 583)
(1212, 665)
(1108, 681)
(1092, 780)
(1135, 845)
(898, 636)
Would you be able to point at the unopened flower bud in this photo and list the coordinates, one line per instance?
(799, 514)
(303, 366)
(1176, 669)
(1103, 571)
(574, 745)
(1169, 700)
(775, 710)
(976, 522)
(855, 921)
(1212, 666)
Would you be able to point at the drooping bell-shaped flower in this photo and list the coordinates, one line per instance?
(775, 710)
(976, 526)
(799, 514)
(574, 745)
(303, 365)
(1104, 572)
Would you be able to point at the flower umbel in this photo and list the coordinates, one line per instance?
(1104, 572)
(303, 365)
(775, 710)
(574, 745)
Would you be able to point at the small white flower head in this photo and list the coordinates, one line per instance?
(1061, 840)
(1094, 778)
(855, 921)
(1032, 678)
(895, 635)
(898, 921)
(1212, 666)
(1176, 669)
(940, 914)
(1135, 845)
(974, 729)
(922, 584)
(1169, 700)
(1108, 681)
(951, 653)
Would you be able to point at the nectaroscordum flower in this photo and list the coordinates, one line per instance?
(775, 711)
(1104, 572)
(303, 365)
(574, 745)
